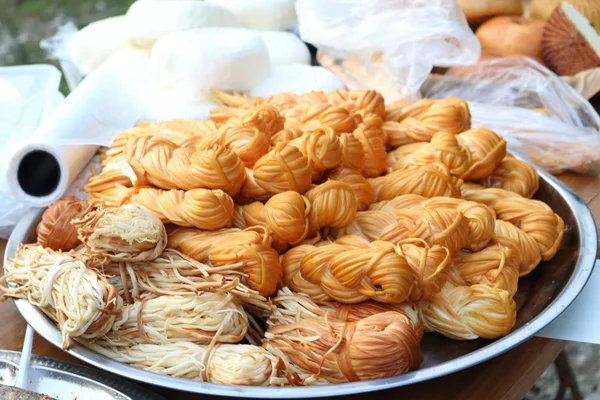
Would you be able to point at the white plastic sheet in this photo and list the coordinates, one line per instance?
(539, 114)
(393, 43)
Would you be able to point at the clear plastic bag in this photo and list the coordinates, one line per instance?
(387, 45)
(539, 114)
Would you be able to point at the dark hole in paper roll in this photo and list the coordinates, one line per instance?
(38, 173)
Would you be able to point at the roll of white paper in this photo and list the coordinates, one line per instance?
(41, 169)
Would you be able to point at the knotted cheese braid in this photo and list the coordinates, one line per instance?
(469, 312)
(363, 191)
(286, 134)
(339, 119)
(177, 131)
(399, 110)
(348, 275)
(426, 180)
(200, 208)
(317, 346)
(438, 225)
(497, 265)
(373, 140)
(450, 114)
(532, 224)
(290, 217)
(263, 117)
(250, 248)
(162, 163)
(321, 147)
(481, 218)
(197, 244)
(487, 151)
(430, 264)
(281, 169)
(444, 148)
(246, 141)
(514, 175)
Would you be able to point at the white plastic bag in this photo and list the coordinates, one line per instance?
(539, 114)
(393, 44)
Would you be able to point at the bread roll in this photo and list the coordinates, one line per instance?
(296, 79)
(149, 20)
(508, 36)
(479, 9)
(195, 61)
(285, 48)
(276, 15)
(92, 45)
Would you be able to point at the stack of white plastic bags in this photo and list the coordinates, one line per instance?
(181, 49)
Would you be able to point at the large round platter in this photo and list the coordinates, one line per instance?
(542, 297)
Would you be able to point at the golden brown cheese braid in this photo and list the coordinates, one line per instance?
(399, 109)
(281, 169)
(444, 226)
(368, 102)
(263, 117)
(176, 131)
(352, 152)
(356, 312)
(197, 243)
(162, 163)
(481, 218)
(469, 312)
(260, 262)
(348, 275)
(251, 248)
(450, 114)
(333, 204)
(497, 265)
(426, 180)
(363, 191)
(285, 215)
(247, 142)
(321, 147)
(444, 148)
(373, 140)
(339, 119)
(339, 351)
(532, 224)
(286, 134)
(430, 264)
(200, 208)
(290, 217)
(514, 175)
(487, 151)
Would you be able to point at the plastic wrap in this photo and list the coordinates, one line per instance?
(539, 114)
(387, 45)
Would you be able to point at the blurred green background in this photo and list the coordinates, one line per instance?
(24, 23)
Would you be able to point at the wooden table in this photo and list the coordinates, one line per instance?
(509, 376)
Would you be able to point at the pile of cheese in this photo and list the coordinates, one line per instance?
(181, 49)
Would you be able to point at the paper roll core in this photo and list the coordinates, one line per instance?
(38, 173)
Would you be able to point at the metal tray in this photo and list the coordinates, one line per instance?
(64, 380)
(542, 297)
